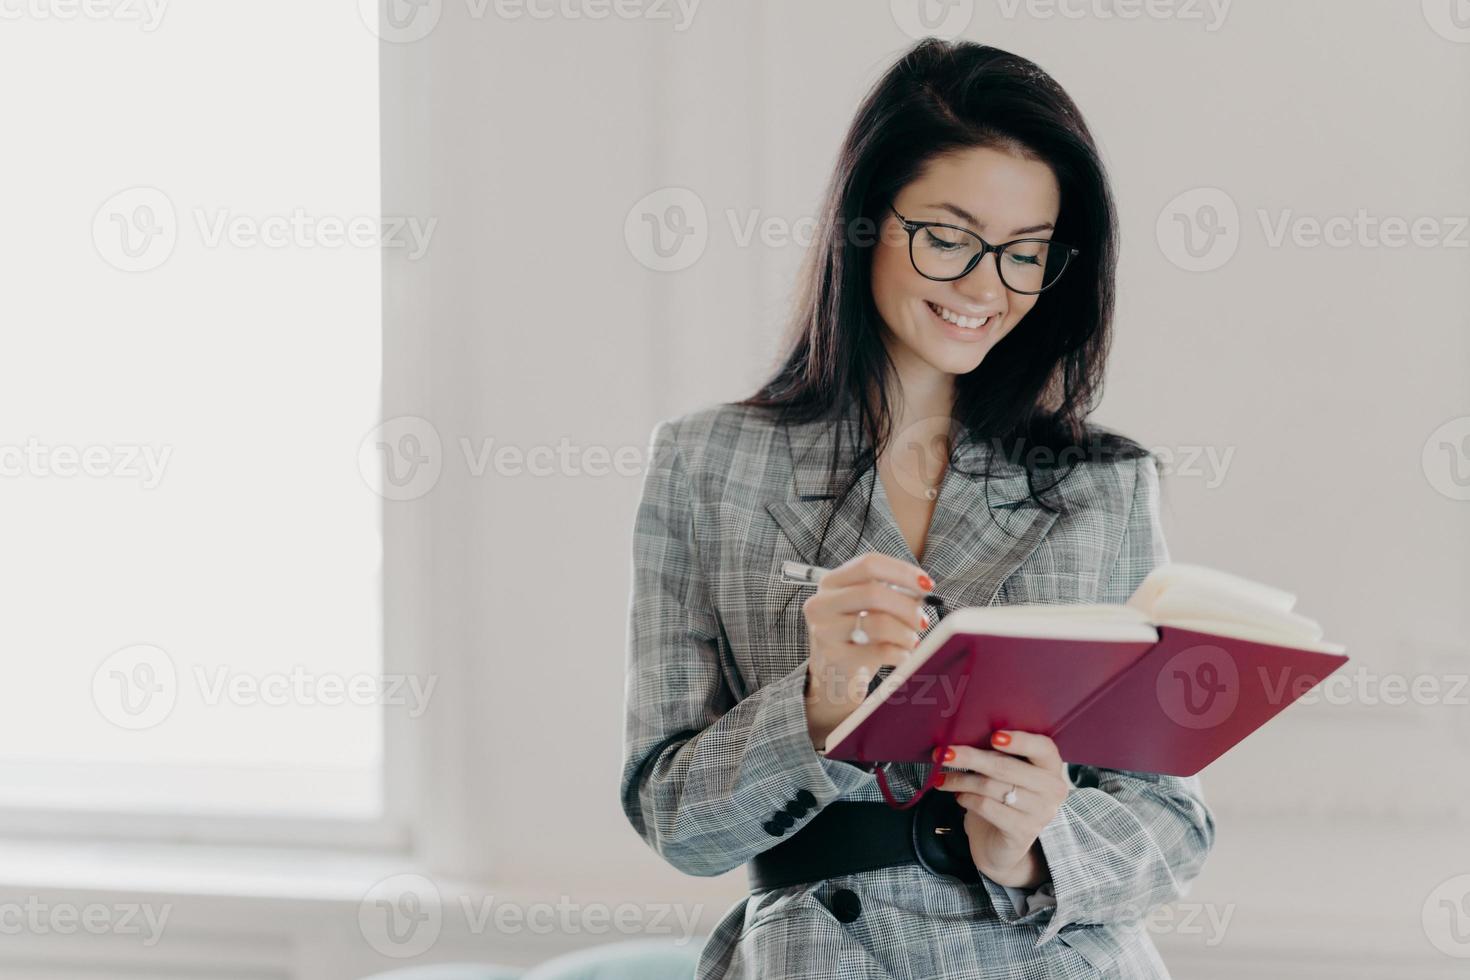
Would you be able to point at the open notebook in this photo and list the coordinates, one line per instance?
(1195, 661)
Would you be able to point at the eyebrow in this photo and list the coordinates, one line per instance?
(964, 215)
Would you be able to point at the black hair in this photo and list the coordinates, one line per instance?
(1032, 393)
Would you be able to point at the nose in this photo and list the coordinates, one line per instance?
(983, 285)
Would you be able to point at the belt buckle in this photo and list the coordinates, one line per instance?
(940, 842)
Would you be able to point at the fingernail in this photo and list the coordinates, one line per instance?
(1000, 738)
(915, 640)
(943, 753)
(940, 780)
(926, 583)
(924, 622)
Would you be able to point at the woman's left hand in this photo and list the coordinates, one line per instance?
(1003, 837)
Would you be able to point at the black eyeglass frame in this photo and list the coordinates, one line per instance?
(913, 227)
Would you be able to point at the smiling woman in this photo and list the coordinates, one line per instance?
(946, 364)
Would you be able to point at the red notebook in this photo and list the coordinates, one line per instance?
(1194, 662)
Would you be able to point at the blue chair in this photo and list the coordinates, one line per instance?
(452, 971)
(633, 959)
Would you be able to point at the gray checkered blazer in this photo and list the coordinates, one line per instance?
(716, 743)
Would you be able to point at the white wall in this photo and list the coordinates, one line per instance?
(1323, 370)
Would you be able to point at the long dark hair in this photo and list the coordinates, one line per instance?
(1033, 391)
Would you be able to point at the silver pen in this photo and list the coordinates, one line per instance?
(795, 571)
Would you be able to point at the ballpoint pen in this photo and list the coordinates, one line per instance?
(795, 571)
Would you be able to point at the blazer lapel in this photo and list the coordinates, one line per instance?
(804, 514)
(977, 537)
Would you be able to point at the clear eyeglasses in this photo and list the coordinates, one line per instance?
(945, 253)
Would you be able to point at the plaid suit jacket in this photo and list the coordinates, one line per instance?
(716, 742)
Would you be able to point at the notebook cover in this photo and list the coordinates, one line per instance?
(1188, 701)
(977, 683)
(1170, 707)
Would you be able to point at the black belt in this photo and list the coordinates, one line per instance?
(849, 836)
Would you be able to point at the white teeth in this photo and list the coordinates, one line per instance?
(968, 322)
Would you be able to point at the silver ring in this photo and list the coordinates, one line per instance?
(1010, 798)
(860, 635)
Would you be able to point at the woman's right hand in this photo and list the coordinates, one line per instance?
(839, 670)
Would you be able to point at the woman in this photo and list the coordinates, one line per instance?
(949, 343)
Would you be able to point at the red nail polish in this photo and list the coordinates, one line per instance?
(948, 755)
(924, 622)
(1000, 738)
(926, 583)
(940, 780)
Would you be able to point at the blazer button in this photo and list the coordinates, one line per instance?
(783, 820)
(845, 905)
(773, 828)
(796, 809)
(805, 798)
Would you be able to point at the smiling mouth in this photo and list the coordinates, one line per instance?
(963, 322)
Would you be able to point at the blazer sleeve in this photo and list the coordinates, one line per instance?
(1122, 842)
(708, 781)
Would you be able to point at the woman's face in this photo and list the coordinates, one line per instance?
(998, 196)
